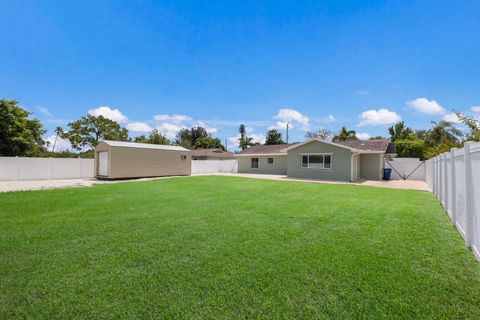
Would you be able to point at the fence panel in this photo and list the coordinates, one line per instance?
(214, 166)
(23, 168)
(454, 177)
(406, 168)
(475, 160)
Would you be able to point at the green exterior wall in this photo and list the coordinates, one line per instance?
(371, 166)
(279, 165)
(341, 162)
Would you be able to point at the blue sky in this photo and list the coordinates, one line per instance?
(170, 64)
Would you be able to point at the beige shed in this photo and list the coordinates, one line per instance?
(118, 160)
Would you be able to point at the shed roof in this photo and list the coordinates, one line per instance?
(213, 153)
(124, 144)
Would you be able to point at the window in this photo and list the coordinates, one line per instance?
(183, 157)
(254, 163)
(317, 161)
(270, 160)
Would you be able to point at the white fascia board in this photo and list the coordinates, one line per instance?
(260, 154)
(322, 141)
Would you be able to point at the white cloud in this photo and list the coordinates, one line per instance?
(475, 108)
(176, 118)
(44, 111)
(363, 136)
(249, 129)
(170, 129)
(362, 93)
(61, 145)
(202, 124)
(426, 106)
(452, 117)
(109, 113)
(329, 119)
(378, 117)
(138, 127)
(288, 115)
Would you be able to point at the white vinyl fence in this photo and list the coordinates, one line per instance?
(22, 168)
(454, 178)
(406, 168)
(214, 166)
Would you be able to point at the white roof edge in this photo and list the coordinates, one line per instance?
(259, 154)
(322, 141)
(126, 144)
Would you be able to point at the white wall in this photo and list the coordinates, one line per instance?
(214, 166)
(454, 178)
(21, 168)
(406, 168)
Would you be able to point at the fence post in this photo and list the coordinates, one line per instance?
(446, 182)
(468, 195)
(434, 175)
(453, 182)
(440, 179)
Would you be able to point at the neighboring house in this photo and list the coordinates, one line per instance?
(318, 159)
(211, 154)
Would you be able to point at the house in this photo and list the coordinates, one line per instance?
(211, 154)
(318, 159)
(119, 160)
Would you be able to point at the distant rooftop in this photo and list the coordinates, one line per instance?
(143, 145)
(212, 153)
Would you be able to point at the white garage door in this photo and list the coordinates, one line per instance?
(103, 163)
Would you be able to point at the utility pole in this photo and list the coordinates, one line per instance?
(288, 124)
(226, 145)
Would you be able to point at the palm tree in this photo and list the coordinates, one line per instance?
(399, 132)
(443, 132)
(58, 131)
(345, 135)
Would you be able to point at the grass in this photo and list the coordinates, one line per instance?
(223, 247)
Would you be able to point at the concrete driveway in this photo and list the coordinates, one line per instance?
(6, 186)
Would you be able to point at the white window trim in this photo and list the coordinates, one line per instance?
(270, 164)
(316, 154)
(258, 163)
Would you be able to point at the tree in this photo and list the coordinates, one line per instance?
(208, 143)
(443, 132)
(321, 134)
(399, 131)
(345, 135)
(19, 135)
(155, 137)
(244, 141)
(377, 138)
(187, 137)
(273, 137)
(410, 148)
(89, 130)
(472, 124)
(58, 132)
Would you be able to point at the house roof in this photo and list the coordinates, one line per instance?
(212, 153)
(359, 146)
(379, 145)
(271, 149)
(143, 145)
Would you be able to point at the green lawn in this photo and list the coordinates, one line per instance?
(224, 247)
